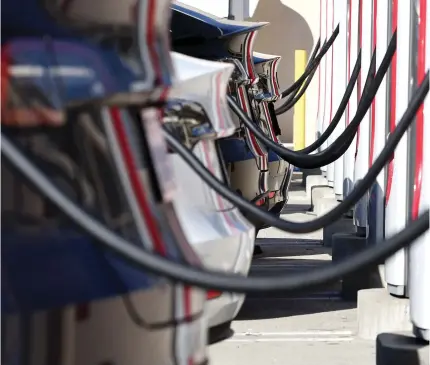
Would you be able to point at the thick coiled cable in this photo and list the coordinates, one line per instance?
(306, 83)
(144, 260)
(306, 227)
(339, 112)
(300, 90)
(341, 144)
(312, 65)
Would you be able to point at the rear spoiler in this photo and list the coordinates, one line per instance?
(267, 66)
(226, 27)
(205, 82)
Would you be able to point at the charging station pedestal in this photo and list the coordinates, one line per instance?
(321, 74)
(340, 81)
(332, 82)
(317, 172)
(352, 46)
(327, 17)
(419, 252)
(339, 76)
(331, 21)
(407, 348)
(362, 155)
(347, 244)
(396, 211)
(379, 127)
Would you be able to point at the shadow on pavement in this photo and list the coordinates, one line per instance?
(292, 256)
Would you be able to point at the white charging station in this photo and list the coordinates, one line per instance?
(340, 82)
(331, 20)
(362, 154)
(329, 85)
(379, 127)
(419, 252)
(396, 211)
(325, 76)
(321, 73)
(353, 48)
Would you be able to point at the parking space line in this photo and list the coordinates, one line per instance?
(294, 336)
(293, 339)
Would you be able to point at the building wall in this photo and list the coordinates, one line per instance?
(294, 24)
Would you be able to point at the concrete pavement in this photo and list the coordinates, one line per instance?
(309, 328)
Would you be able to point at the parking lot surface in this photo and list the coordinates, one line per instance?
(311, 328)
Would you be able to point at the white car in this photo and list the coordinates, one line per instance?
(266, 91)
(84, 305)
(64, 298)
(207, 36)
(269, 188)
(217, 231)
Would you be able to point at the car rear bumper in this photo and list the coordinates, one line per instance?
(224, 308)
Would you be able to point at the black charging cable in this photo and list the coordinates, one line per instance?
(341, 144)
(295, 95)
(356, 194)
(312, 65)
(145, 260)
(339, 112)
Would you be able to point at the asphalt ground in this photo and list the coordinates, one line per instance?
(312, 328)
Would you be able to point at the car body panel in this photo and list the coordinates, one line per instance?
(215, 27)
(217, 231)
(204, 83)
(267, 91)
(231, 45)
(266, 64)
(63, 267)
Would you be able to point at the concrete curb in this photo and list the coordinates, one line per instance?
(314, 180)
(324, 204)
(379, 312)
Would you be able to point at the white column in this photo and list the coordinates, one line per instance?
(348, 158)
(322, 69)
(419, 252)
(376, 211)
(362, 159)
(339, 85)
(396, 212)
(329, 83)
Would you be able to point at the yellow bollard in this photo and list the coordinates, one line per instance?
(300, 58)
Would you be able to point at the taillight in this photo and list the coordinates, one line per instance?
(260, 202)
(271, 194)
(212, 294)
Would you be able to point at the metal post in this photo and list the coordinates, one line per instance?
(329, 85)
(419, 252)
(353, 46)
(397, 184)
(378, 132)
(362, 155)
(238, 9)
(339, 79)
(230, 10)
